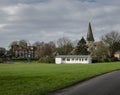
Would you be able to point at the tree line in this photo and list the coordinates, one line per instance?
(46, 52)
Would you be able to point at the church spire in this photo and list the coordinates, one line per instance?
(90, 34)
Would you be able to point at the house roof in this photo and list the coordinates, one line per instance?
(24, 48)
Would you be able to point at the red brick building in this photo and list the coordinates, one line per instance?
(24, 52)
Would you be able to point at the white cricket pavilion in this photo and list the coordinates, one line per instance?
(73, 59)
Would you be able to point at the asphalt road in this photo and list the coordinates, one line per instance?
(107, 84)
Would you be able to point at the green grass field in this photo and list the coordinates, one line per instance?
(39, 79)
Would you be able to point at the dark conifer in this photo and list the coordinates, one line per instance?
(81, 48)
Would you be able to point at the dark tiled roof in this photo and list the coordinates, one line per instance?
(71, 56)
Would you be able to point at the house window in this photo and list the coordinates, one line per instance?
(72, 59)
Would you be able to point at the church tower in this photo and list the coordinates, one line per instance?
(90, 37)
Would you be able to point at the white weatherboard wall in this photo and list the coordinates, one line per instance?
(58, 60)
(71, 59)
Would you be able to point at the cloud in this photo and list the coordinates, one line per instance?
(46, 20)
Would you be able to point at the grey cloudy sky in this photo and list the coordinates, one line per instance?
(48, 20)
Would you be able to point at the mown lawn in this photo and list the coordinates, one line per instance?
(39, 79)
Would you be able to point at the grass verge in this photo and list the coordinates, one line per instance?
(40, 79)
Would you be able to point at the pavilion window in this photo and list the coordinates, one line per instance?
(80, 59)
(63, 59)
(76, 59)
(86, 59)
(72, 59)
(68, 59)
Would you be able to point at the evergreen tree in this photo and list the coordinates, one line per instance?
(81, 48)
(2, 51)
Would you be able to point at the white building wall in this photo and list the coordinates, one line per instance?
(72, 60)
(58, 60)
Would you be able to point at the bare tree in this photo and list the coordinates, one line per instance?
(18, 43)
(45, 49)
(100, 52)
(23, 43)
(37, 43)
(112, 40)
(13, 44)
(40, 49)
(65, 45)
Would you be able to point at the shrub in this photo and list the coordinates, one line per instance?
(1, 60)
(47, 59)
